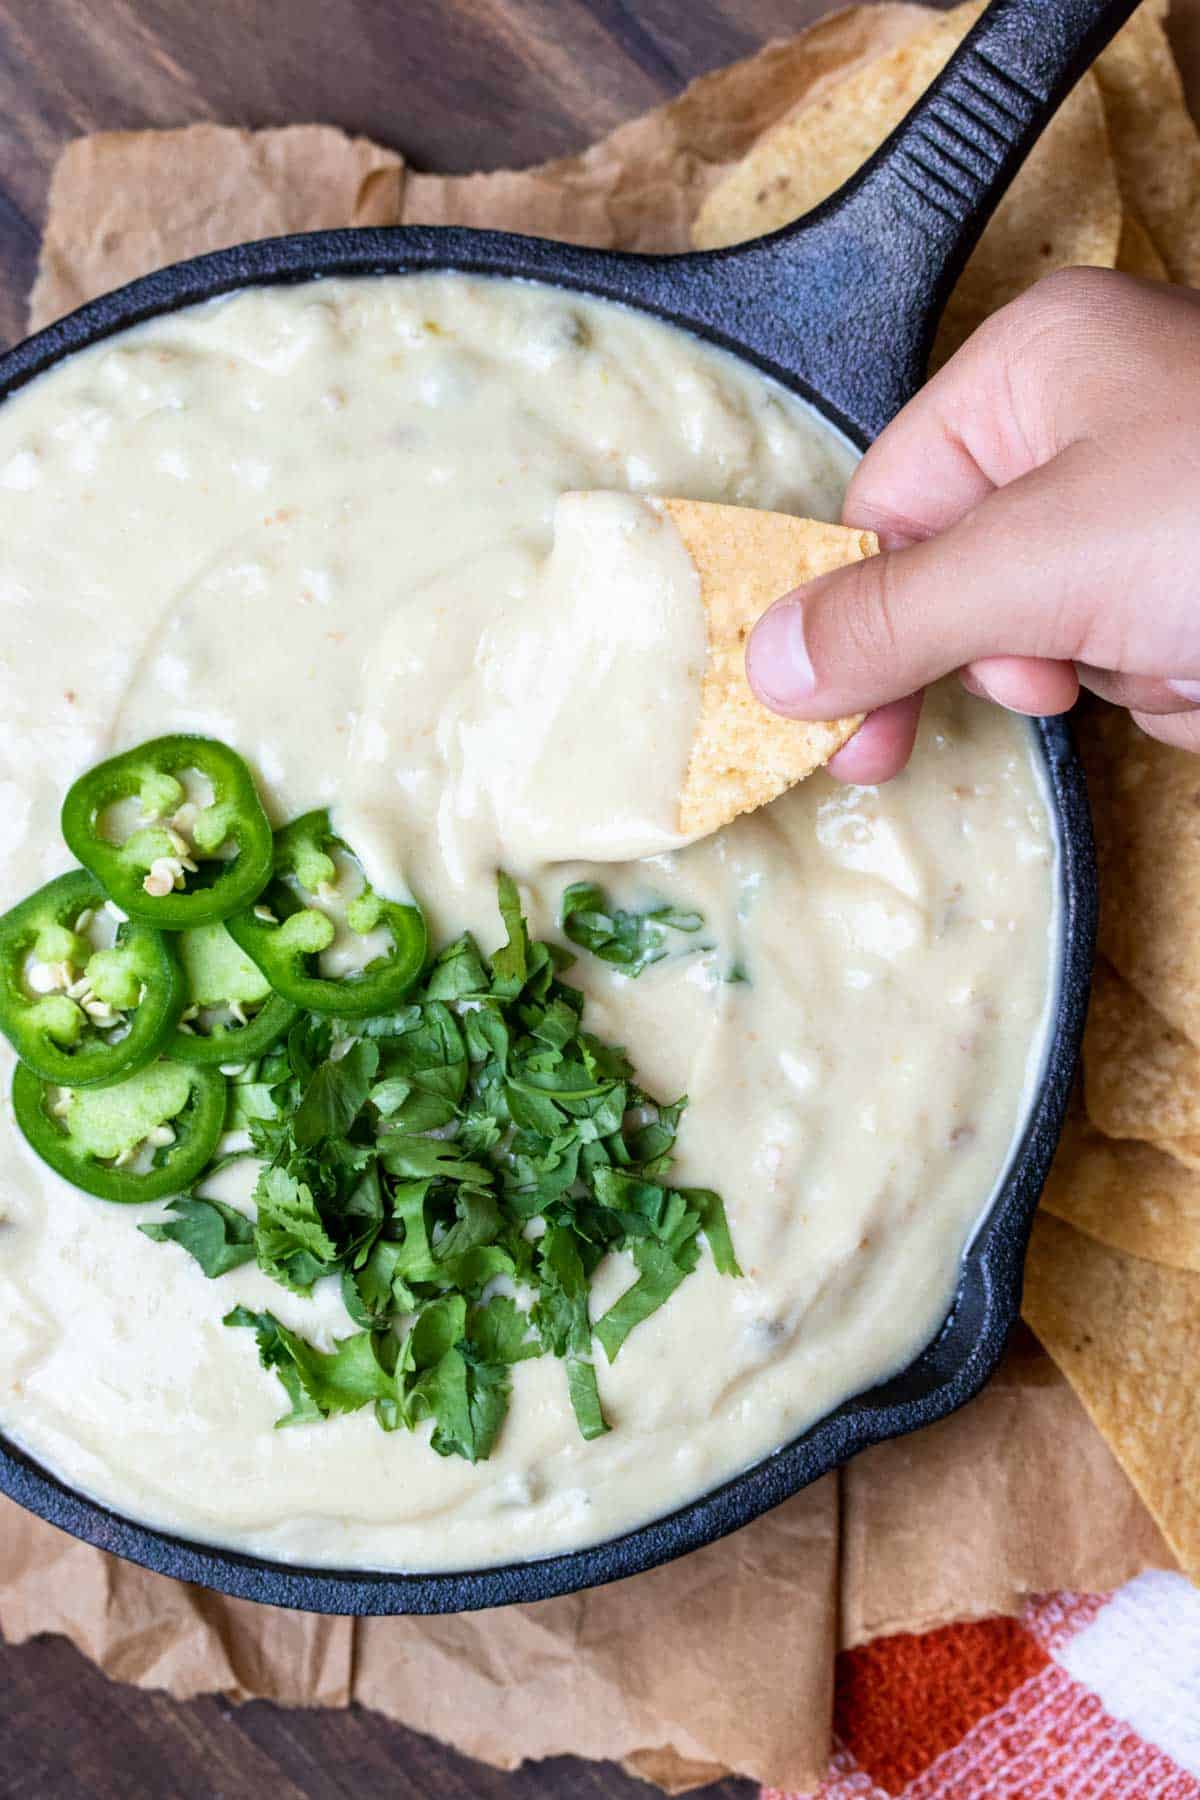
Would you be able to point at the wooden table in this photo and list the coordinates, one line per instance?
(457, 85)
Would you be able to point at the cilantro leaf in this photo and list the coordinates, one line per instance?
(457, 972)
(629, 940)
(362, 1216)
(290, 1239)
(652, 1143)
(319, 1383)
(510, 964)
(452, 1381)
(414, 1158)
(467, 1402)
(470, 1272)
(499, 1332)
(374, 1293)
(585, 1398)
(715, 1226)
(658, 1276)
(488, 1037)
(309, 1042)
(560, 1311)
(476, 1222)
(382, 1025)
(218, 1236)
(424, 1071)
(439, 1326)
(489, 1388)
(414, 1259)
(389, 1095)
(335, 1095)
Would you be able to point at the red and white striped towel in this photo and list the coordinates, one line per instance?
(1082, 1698)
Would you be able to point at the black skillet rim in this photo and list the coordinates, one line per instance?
(949, 1371)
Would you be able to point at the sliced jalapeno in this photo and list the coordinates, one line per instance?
(75, 1013)
(182, 864)
(286, 933)
(232, 1013)
(145, 1138)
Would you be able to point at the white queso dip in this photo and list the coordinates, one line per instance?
(319, 523)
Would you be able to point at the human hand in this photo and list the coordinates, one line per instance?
(1038, 505)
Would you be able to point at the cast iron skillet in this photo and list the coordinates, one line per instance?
(841, 307)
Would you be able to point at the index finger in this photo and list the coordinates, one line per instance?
(1032, 380)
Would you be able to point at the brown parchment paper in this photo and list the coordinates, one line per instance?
(721, 1662)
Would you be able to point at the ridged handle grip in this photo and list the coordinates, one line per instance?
(959, 148)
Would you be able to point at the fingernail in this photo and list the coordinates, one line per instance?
(778, 661)
(1187, 690)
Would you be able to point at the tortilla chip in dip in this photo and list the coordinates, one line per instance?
(744, 755)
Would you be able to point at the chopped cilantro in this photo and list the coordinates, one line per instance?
(461, 1166)
(630, 940)
(319, 1383)
(218, 1236)
(290, 1241)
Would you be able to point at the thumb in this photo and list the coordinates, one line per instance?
(1019, 575)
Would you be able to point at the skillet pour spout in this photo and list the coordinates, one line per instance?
(841, 307)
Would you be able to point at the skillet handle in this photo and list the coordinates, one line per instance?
(849, 297)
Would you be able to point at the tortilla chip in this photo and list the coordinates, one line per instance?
(1127, 1195)
(1126, 1334)
(1141, 1075)
(1062, 209)
(1146, 806)
(1136, 254)
(1155, 144)
(804, 159)
(743, 755)
(1141, 1082)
